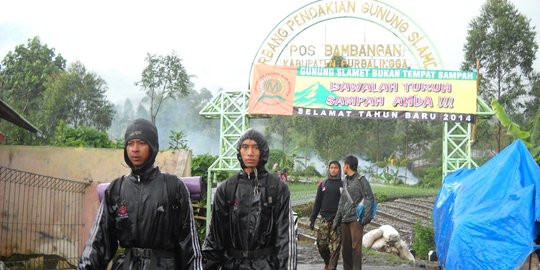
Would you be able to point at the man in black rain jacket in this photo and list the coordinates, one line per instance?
(252, 225)
(156, 229)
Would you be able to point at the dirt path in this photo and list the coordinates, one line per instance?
(401, 213)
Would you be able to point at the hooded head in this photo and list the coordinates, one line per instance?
(261, 143)
(336, 164)
(144, 130)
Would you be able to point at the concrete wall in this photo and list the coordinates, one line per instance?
(82, 164)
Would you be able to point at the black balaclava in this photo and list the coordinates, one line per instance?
(144, 130)
(263, 147)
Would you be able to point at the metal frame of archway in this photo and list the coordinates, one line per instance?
(457, 147)
(231, 108)
(457, 142)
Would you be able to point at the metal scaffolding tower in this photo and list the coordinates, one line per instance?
(231, 108)
(458, 141)
(457, 147)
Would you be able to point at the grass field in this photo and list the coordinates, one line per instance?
(304, 193)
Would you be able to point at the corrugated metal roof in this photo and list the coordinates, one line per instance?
(9, 114)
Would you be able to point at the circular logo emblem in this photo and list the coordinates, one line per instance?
(273, 88)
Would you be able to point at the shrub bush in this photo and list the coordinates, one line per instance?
(424, 240)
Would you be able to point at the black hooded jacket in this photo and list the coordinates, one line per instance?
(249, 230)
(137, 213)
(327, 199)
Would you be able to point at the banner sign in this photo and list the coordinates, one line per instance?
(440, 95)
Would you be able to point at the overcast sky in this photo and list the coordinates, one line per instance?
(217, 40)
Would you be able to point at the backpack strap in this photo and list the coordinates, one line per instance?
(173, 196)
(271, 190)
(346, 191)
(171, 182)
(116, 191)
(230, 189)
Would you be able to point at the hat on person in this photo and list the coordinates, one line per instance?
(144, 130)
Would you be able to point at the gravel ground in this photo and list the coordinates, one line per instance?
(308, 253)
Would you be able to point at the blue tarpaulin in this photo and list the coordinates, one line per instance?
(489, 217)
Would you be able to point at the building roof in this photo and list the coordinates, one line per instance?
(9, 114)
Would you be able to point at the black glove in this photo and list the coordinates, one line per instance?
(312, 225)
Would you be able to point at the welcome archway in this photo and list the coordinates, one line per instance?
(369, 35)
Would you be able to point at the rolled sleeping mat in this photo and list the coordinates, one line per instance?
(193, 183)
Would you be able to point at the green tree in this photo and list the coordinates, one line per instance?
(77, 97)
(413, 141)
(533, 105)
(201, 164)
(277, 156)
(424, 239)
(502, 41)
(142, 112)
(82, 137)
(163, 78)
(179, 114)
(183, 114)
(123, 115)
(199, 99)
(177, 140)
(23, 73)
(279, 125)
(531, 138)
